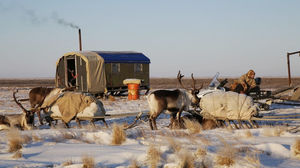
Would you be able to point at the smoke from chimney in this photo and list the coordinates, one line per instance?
(63, 22)
(37, 19)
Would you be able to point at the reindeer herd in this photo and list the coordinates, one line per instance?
(67, 105)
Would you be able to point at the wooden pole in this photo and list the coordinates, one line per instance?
(288, 63)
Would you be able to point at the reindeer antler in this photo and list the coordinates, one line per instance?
(200, 87)
(18, 103)
(179, 77)
(194, 83)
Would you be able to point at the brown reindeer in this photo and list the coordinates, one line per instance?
(36, 99)
(173, 101)
(18, 120)
(39, 94)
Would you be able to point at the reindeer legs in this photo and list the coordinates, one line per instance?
(178, 118)
(152, 122)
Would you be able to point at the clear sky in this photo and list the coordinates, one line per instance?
(203, 37)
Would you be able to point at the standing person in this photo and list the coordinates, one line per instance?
(72, 79)
(245, 84)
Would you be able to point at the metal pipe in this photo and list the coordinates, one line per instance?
(289, 70)
(80, 46)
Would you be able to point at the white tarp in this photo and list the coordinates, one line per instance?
(228, 105)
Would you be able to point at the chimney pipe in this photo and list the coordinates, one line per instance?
(80, 46)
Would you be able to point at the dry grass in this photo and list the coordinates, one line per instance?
(252, 157)
(36, 138)
(173, 133)
(88, 161)
(279, 130)
(248, 134)
(175, 145)
(118, 135)
(193, 127)
(134, 164)
(67, 163)
(295, 149)
(274, 131)
(65, 135)
(224, 160)
(186, 159)
(26, 139)
(18, 154)
(15, 140)
(68, 135)
(141, 134)
(201, 151)
(153, 156)
(208, 124)
(206, 141)
(226, 155)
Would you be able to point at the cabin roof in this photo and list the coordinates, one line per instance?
(123, 57)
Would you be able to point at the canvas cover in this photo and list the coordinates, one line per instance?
(296, 94)
(228, 105)
(96, 79)
(70, 104)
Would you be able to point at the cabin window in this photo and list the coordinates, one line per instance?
(115, 67)
(138, 67)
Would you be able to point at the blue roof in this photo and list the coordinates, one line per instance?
(123, 57)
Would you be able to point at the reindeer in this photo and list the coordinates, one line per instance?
(18, 120)
(36, 99)
(173, 101)
(38, 95)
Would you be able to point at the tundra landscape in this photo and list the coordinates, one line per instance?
(92, 84)
(273, 144)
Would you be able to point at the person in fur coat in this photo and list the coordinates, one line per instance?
(245, 84)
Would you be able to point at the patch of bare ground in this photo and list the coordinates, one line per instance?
(267, 82)
(27, 82)
(156, 83)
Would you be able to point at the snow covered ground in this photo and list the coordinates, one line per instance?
(268, 146)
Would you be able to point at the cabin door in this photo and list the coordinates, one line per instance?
(82, 74)
(60, 74)
(71, 71)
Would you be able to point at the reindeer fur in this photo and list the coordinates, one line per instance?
(172, 101)
(18, 120)
(36, 98)
(40, 94)
(15, 120)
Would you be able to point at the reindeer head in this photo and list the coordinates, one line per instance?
(193, 91)
(29, 114)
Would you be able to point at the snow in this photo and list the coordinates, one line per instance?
(271, 145)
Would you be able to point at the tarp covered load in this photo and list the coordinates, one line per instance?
(296, 94)
(70, 104)
(228, 105)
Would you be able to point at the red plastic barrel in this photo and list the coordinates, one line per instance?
(133, 91)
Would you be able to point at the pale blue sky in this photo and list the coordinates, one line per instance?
(203, 37)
